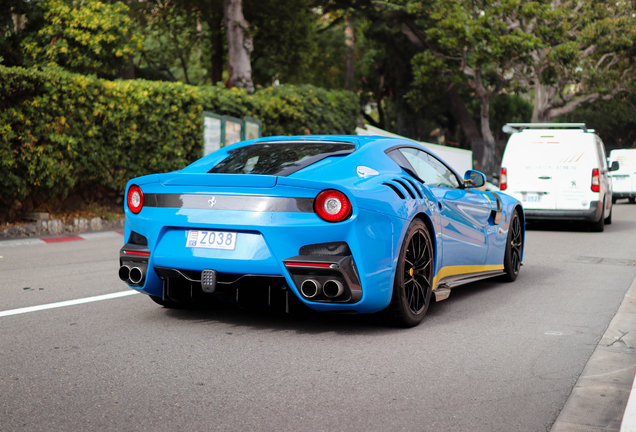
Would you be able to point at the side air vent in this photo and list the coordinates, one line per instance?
(408, 189)
(397, 191)
(417, 191)
(331, 249)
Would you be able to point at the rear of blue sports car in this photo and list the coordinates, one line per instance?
(267, 223)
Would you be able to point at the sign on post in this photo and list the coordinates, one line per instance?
(233, 130)
(212, 132)
(253, 128)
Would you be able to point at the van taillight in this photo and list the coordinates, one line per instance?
(596, 181)
(503, 179)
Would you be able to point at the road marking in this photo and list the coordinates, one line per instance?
(67, 303)
(60, 239)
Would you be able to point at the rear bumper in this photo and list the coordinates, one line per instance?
(590, 215)
(619, 195)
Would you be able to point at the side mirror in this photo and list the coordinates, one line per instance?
(615, 166)
(474, 179)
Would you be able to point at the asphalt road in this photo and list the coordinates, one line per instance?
(495, 356)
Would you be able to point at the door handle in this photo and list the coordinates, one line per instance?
(545, 178)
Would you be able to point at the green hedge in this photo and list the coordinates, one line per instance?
(63, 133)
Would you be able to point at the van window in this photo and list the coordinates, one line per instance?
(601, 153)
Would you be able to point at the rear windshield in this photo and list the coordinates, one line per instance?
(279, 159)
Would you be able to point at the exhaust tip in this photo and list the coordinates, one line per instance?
(136, 275)
(333, 289)
(310, 288)
(124, 273)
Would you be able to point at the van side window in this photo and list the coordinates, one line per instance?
(430, 169)
(600, 148)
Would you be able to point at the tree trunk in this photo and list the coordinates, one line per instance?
(462, 115)
(488, 155)
(216, 25)
(240, 46)
(351, 53)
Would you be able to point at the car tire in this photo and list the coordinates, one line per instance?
(632, 200)
(412, 286)
(599, 225)
(514, 248)
(614, 200)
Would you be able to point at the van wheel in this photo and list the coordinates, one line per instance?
(599, 225)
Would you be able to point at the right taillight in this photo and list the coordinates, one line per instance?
(596, 181)
(332, 206)
(135, 199)
(503, 179)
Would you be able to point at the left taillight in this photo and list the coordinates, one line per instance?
(332, 205)
(135, 199)
(596, 181)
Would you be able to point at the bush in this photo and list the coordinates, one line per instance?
(63, 133)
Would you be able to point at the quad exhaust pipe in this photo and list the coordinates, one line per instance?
(310, 288)
(333, 289)
(133, 275)
(124, 273)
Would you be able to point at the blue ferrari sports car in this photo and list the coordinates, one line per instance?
(341, 224)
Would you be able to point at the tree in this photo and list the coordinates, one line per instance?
(240, 46)
(475, 40)
(585, 54)
(90, 37)
(172, 37)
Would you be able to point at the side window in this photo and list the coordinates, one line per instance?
(430, 169)
(601, 153)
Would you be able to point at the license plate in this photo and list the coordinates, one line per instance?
(530, 198)
(211, 240)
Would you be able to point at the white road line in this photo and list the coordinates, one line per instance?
(67, 303)
(21, 242)
(101, 235)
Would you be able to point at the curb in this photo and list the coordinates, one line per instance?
(57, 227)
(599, 400)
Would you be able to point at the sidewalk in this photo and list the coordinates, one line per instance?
(599, 400)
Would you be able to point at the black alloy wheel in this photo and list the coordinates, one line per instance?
(413, 283)
(514, 248)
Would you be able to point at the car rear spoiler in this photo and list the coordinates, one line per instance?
(511, 128)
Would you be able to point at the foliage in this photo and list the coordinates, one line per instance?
(613, 120)
(475, 40)
(64, 132)
(90, 37)
(297, 110)
(172, 36)
(284, 41)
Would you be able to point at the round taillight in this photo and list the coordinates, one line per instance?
(332, 206)
(135, 199)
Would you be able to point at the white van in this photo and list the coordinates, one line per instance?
(624, 180)
(559, 172)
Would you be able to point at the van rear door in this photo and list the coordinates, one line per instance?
(624, 180)
(576, 160)
(531, 173)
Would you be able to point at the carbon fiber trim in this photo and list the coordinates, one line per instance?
(230, 202)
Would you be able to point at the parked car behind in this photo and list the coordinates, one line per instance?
(624, 180)
(559, 172)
